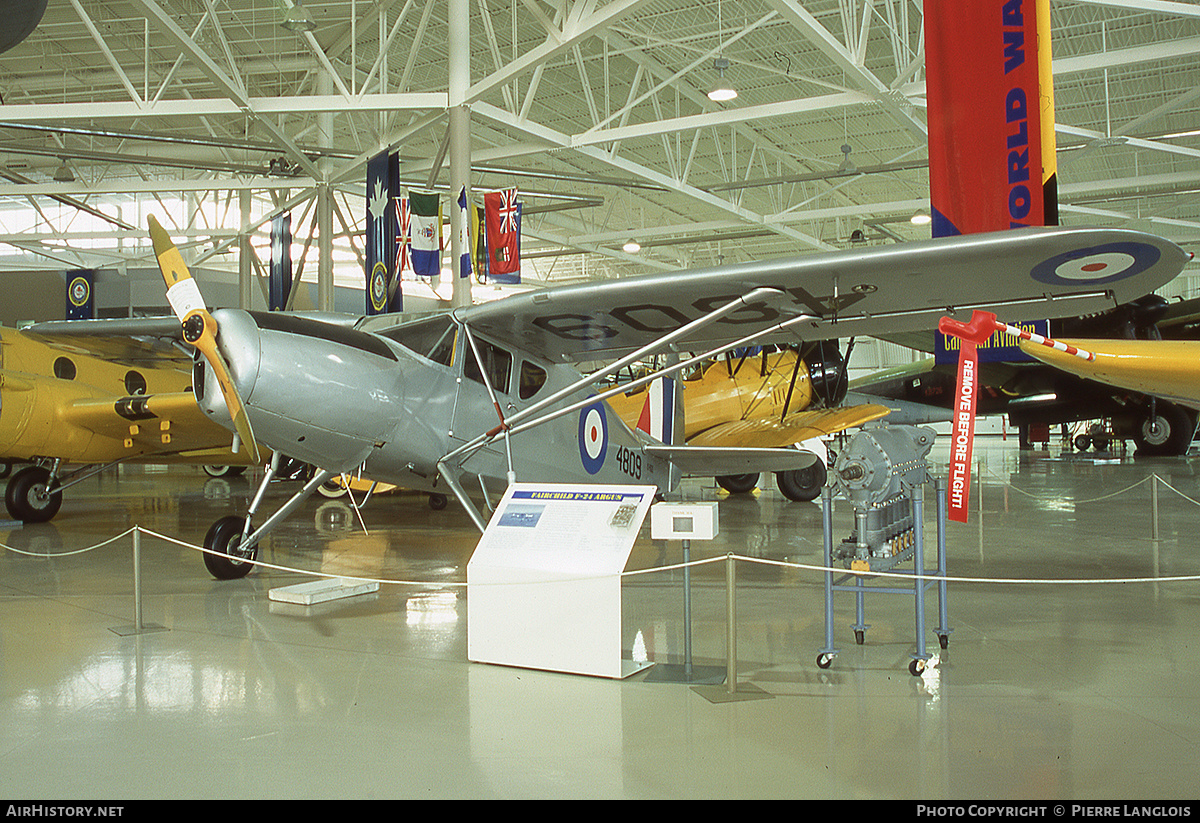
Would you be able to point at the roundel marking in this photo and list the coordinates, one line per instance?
(593, 437)
(78, 291)
(379, 286)
(1097, 265)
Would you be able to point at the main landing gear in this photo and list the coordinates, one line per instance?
(33, 494)
(231, 544)
(800, 485)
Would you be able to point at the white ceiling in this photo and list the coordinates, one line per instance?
(596, 110)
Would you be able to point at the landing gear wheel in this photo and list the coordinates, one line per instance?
(332, 488)
(824, 660)
(802, 485)
(28, 497)
(916, 667)
(738, 483)
(1168, 432)
(230, 563)
(437, 501)
(223, 471)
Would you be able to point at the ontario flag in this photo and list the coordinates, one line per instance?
(425, 233)
(502, 218)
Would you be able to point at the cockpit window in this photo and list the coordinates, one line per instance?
(426, 337)
(533, 377)
(496, 360)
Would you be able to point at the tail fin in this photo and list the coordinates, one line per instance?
(662, 412)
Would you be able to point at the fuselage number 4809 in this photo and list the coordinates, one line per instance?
(630, 462)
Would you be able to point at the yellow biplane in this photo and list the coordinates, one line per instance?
(89, 403)
(768, 399)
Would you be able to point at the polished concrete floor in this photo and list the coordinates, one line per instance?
(1047, 690)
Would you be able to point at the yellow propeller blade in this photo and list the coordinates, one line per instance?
(199, 327)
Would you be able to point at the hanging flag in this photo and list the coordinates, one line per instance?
(402, 235)
(479, 255)
(502, 215)
(378, 244)
(464, 237)
(279, 282)
(81, 303)
(425, 233)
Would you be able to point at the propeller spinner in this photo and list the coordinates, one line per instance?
(199, 327)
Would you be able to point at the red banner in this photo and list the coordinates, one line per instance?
(963, 434)
(989, 99)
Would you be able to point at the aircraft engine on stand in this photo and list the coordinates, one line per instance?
(879, 472)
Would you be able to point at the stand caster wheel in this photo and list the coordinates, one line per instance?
(944, 641)
(824, 660)
(860, 636)
(916, 667)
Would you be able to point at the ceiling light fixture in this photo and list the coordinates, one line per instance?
(722, 90)
(920, 219)
(631, 246)
(298, 19)
(63, 173)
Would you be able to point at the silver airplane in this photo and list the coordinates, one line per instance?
(484, 395)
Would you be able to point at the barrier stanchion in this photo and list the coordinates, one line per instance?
(732, 690)
(138, 626)
(1154, 507)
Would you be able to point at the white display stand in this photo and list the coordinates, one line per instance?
(544, 583)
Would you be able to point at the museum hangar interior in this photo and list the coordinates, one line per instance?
(1070, 660)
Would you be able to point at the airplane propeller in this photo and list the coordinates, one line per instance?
(199, 327)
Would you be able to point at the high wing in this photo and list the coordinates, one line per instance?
(1164, 368)
(1035, 272)
(763, 432)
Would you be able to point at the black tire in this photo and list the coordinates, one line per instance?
(437, 501)
(1083, 442)
(223, 471)
(802, 485)
(738, 483)
(223, 536)
(1168, 433)
(1101, 443)
(27, 498)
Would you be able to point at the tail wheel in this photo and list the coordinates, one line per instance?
(28, 497)
(802, 485)
(738, 483)
(230, 561)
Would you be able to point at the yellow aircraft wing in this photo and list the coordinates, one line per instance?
(768, 432)
(1163, 368)
(158, 423)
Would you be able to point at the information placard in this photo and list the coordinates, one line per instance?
(544, 583)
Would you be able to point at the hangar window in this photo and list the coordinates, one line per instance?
(533, 377)
(496, 361)
(64, 368)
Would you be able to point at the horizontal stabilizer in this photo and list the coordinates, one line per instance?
(771, 432)
(715, 461)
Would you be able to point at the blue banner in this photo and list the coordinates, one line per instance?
(81, 301)
(999, 348)
(279, 283)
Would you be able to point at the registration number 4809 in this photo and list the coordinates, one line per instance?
(630, 461)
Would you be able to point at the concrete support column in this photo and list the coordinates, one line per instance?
(245, 267)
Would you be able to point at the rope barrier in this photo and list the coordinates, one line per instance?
(906, 576)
